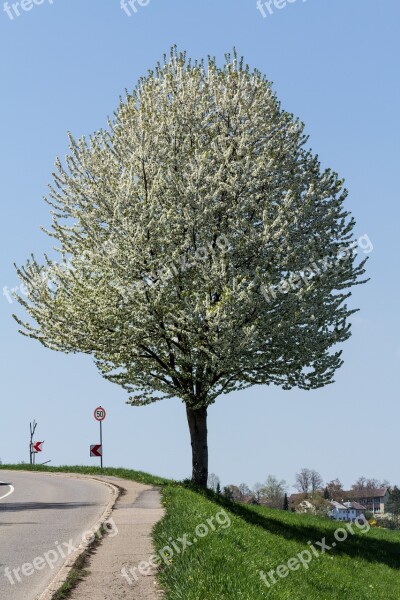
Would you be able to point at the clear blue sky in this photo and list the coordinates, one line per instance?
(335, 65)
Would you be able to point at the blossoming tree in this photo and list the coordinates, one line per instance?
(199, 195)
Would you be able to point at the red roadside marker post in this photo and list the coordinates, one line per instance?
(99, 415)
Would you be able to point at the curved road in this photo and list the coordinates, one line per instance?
(42, 517)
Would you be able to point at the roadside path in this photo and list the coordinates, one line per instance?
(135, 513)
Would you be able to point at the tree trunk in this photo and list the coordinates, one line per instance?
(197, 420)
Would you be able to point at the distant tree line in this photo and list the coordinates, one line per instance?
(272, 493)
(310, 484)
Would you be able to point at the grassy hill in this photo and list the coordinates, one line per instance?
(227, 562)
(212, 549)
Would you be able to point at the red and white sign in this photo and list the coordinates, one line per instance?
(96, 450)
(100, 413)
(37, 446)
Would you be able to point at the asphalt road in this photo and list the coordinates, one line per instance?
(41, 518)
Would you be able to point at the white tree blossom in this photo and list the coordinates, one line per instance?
(171, 222)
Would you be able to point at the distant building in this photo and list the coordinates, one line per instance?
(346, 511)
(374, 500)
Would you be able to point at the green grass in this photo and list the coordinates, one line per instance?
(74, 577)
(225, 563)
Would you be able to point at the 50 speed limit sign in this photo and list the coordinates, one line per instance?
(99, 413)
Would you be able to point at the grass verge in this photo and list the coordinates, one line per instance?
(138, 476)
(77, 573)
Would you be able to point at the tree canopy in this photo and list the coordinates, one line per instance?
(187, 232)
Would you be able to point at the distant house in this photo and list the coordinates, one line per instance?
(346, 511)
(374, 500)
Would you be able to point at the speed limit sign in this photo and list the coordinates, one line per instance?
(99, 413)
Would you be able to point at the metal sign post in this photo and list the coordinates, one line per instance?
(100, 415)
(101, 444)
(32, 428)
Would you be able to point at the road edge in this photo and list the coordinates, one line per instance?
(62, 576)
